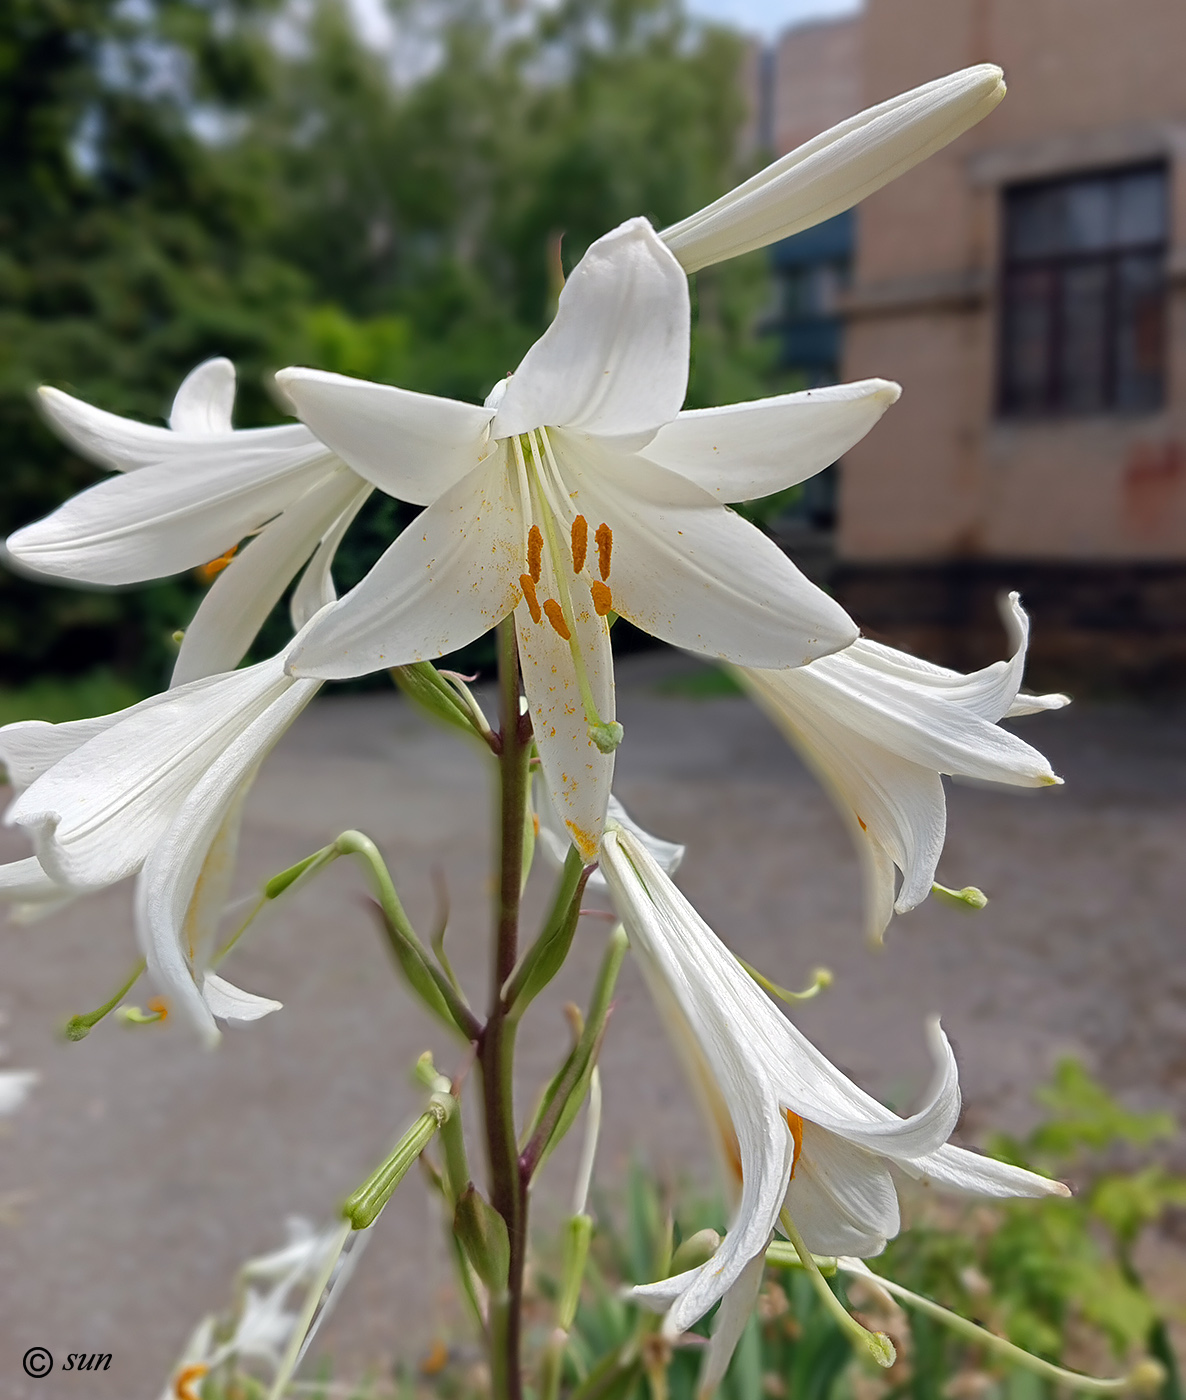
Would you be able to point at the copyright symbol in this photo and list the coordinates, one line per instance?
(37, 1362)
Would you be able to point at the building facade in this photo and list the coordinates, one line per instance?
(1027, 287)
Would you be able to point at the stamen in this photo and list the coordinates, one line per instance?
(535, 553)
(795, 1123)
(183, 1385)
(209, 572)
(603, 599)
(605, 544)
(580, 543)
(556, 617)
(527, 584)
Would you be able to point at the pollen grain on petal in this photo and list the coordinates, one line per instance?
(584, 841)
(603, 599)
(795, 1123)
(527, 584)
(209, 572)
(580, 543)
(605, 545)
(535, 553)
(860, 822)
(556, 618)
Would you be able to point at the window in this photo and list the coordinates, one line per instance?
(1083, 295)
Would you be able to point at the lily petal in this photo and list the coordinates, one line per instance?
(94, 816)
(837, 169)
(448, 578)
(175, 514)
(957, 1169)
(736, 1308)
(205, 400)
(614, 362)
(747, 450)
(693, 573)
(577, 773)
(245, 592)
(169, 899)
(857, 1183)
(231, 1003)
(413, 446)
(316, 587)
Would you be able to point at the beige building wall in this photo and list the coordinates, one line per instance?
(818, 80)
(1093, 84)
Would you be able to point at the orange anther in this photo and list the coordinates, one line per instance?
(436, 1360)
(603, 601)
(183, 1385)
(160, 1006)
(861, 823)
(580, 543)
(527, 584)
(535, 553)
(605, 544)
(209, 572)
(556, 618)
(795, 1123)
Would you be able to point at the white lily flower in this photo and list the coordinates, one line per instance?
(579, 488)
(793, 1132)
(156, 789)
(270, 1320)
(836, 169)
(189, 494)
(878, 727)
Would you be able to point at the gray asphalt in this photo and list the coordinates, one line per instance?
(143, 1169)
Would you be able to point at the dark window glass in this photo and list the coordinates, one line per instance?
(1083, 294)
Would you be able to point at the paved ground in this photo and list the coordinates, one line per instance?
(143, 1169)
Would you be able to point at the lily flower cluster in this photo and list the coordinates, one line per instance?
(580, 490)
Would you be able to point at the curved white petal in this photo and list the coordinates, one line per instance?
(736, 1308)
(747, 450)
(688, 570)
(94, 816)
(577, 773)
(120, 444)
(614, 362)
(992, 692)
(231, 1003)
(205, 400)
(857, 1183)
(316, 590)
(123, 444)
(917, 724)
(25, 881)
(245, 592)
(837, 169)
(957, 1169)
(825, 1227)
(172, 908)
(448, 578)
(172, 515)
(413, 446)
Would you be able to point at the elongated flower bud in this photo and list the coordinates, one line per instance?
(836, 169)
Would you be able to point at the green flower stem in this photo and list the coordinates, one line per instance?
(79, 1027)
(496, 1047)
(1145, 1375)
(877, 1344)
(427, 979)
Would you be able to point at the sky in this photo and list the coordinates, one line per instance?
(765, 18)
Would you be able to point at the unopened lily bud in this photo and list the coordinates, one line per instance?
(837, 169)
(362, 1208)
(697, 1249)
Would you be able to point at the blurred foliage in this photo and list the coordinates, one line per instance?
(186, 178)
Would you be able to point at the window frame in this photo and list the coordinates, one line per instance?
(1056, 402)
